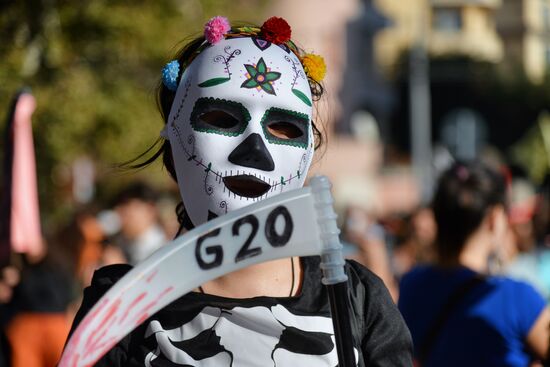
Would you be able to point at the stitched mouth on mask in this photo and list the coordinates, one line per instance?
(246, 185)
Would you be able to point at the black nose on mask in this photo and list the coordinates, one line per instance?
(252, 153)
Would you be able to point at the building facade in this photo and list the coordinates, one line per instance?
(511, 33)
(524, 26)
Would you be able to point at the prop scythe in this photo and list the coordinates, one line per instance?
(296, 223)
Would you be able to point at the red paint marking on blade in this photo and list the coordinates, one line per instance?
(137, 300)
(74, 342)
(94, 346)
(110, 313)
(144, 311)
(166, 291)
(148, 306)
(75, 360)
(143, 317)
(97, 345)
(151, 276)
(108, 344)
(108, 319)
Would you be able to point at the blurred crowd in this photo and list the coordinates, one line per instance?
(393, 245)
(470, 271)
(39, 296)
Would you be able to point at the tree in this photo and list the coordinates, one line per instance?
(93, 67)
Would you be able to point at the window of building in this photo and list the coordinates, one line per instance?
(447, 19)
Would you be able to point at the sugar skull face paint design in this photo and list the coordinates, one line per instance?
(240, 126)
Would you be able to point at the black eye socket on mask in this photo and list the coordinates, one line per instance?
(219, 119)
(219, 116)
(286, 127)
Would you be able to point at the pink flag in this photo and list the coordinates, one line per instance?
(25, 231)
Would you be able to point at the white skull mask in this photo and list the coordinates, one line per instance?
(240, 126)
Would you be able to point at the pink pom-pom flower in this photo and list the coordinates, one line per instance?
(215, 29)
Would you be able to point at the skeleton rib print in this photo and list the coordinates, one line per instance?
(275, 337)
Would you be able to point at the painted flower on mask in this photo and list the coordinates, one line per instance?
(215, 29)
(276, 30)
(260, 77)
(314, 66)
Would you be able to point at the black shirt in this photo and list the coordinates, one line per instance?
(206, 330)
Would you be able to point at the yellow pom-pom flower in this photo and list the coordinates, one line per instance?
(314, 66)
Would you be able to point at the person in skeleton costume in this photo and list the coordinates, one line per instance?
(239, 128)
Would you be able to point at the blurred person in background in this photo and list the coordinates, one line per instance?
(140, 231)
(414, 241)
(83, 242)
(9, 278)
(392, 246)
(541, 224)
(39, 322)
(168, 221)
(457, 313)
(44, 301)
(542, 214)
(523, 259)
(369, 237)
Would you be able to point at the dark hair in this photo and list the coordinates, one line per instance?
(137, 190)
(463, 197)
(165, 99)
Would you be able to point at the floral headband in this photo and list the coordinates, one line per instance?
(275, 30)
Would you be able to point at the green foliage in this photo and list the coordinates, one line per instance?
(93, 67)
(534, 148)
